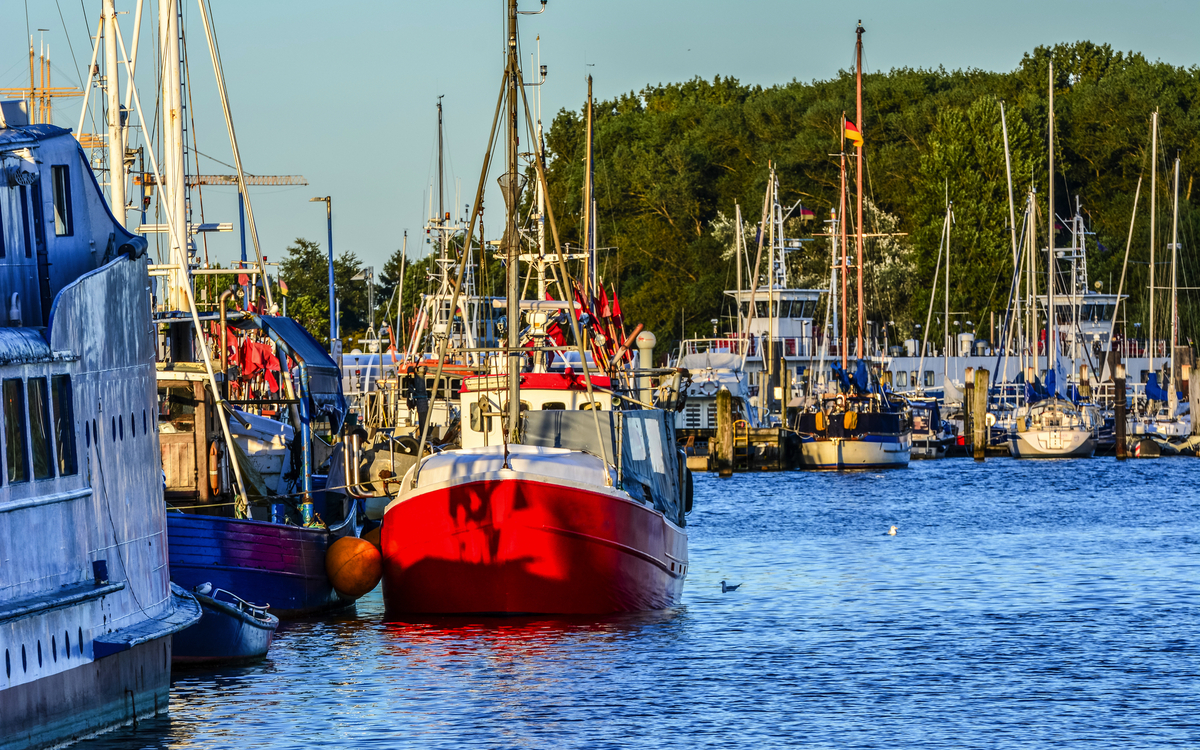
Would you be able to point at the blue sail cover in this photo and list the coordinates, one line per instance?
(1155, 392)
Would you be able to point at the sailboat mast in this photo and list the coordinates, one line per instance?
(172, 145)
(1152, 349)
(441, 190)
(116, 136)
(738, 240)
(1174, 289)
(589, 244)
(1051, 316)
(858, 177)
(845, 268)
(511, 237)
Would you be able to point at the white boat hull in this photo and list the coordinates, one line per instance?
(833, 454)
(1052, 443)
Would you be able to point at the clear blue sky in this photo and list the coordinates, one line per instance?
(344, 93)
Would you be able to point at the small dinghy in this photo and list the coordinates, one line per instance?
(229, 632)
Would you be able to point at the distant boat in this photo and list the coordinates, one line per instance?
(231, 631)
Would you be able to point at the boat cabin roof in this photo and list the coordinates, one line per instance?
(546, 381)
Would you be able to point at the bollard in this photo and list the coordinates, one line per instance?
(724, 437)
(1121, 423)
(979, 414)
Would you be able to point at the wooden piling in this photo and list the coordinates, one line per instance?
(968, 405)
(979, 414)
(1121, 422)
(723, 441)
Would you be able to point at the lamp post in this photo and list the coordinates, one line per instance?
(333, 330)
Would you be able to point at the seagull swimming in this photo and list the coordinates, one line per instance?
(726, 588)
(891, 531)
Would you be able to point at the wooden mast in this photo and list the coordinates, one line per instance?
(845, 268)
(1051, 313)
(858, 177)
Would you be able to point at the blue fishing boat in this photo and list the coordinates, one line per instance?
(232, 631)
(87, 611)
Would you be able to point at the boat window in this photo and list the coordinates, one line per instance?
(177, 410)
(1087, 311)
(901, 379)
(760, 309)
(64, 226)
(745, 308)
(588, 406)
(39, 429)
(914, 378)
(553, 406)
(929, 378)
(14, 431)
(25, 222)
(784, 308)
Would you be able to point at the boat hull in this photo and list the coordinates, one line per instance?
(225, 634)
(868, 452)
(520, 545)
(1052, 444)
(268, 563)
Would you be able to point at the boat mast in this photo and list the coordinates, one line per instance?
(1172, 399)
(858, 176)
(1152, 349)
(1051, 316)
(738, 239)
(589, 243)
(116, 135)
(845, 268)
(946, 320)
(511, 236)
(1012, 226)
(172, 149)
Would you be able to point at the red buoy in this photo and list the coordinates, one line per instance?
(354, 566)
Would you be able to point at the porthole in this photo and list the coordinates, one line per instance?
(145, 428)
(81, 641)
(132, 426)
(67, 643)
(24, 661)
(54, 648)
(114, 429)
(39, 654)
(87, 433)
(95, 432)
(7, 664)
(121, 427)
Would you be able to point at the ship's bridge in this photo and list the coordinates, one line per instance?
(781, 314)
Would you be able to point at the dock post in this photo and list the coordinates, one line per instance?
(979, 414)
(724, 438)
(968, 404)
(1193, 391)
(1119, 418)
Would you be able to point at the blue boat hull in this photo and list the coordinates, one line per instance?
(279, 565)
(226, 634)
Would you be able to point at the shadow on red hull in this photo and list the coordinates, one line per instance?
(522, 546)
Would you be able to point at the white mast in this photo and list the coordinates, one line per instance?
(1172, 392)
(1051, 317)
(172, 140)
(1153, 222)
(116, 135)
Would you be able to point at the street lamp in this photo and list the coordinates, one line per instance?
(333, 331)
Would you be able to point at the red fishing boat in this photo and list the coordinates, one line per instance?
(558, 524)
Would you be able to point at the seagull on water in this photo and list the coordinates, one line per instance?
(891, 531)
(726, 588)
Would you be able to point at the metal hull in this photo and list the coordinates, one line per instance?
(224, 635)
(1052, 444)
(92, 698)
(528, 546)
(264, 562)
(869, 452)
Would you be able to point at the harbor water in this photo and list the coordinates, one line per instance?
(1020, 604)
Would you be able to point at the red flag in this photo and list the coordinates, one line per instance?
(605, 310)
(243, 280)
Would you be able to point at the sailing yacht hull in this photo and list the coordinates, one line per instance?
(516, 543)
(1052, 444)
(867, 452)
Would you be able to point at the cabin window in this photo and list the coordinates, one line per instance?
(64, 424)
(760, 309)
(588, 406)
(479, 423)
(901, 379)
(39, 429)
(64, 226)
(784, 308)
(14, 431)
(554, 406)
(25, 222)
(929, 378)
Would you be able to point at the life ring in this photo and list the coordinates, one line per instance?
(710, 388)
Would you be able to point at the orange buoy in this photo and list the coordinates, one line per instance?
(354, 566)
(375, 536)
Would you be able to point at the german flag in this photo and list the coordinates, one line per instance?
(853, 135)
